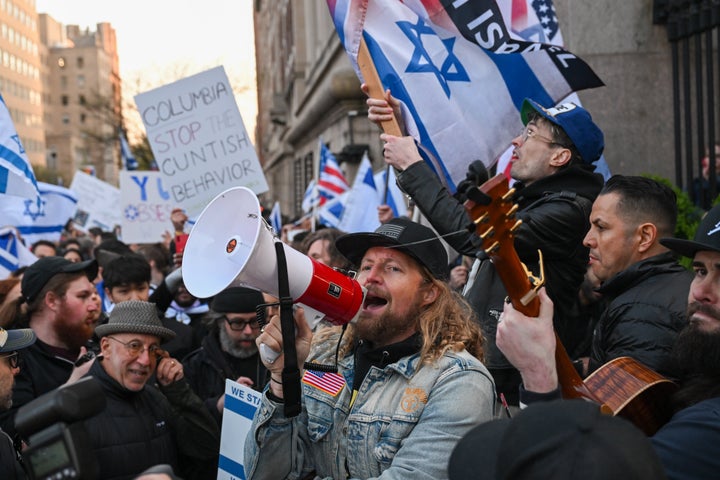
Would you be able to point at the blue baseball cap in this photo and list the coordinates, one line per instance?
(575, 121)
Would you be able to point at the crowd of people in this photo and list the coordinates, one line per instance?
(439, 375)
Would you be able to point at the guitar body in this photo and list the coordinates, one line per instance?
(622, 387)
(634, 392)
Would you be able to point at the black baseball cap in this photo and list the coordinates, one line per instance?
(17, 339)
(412, 238)
(39, 273)
(707, 236)
(558, 439)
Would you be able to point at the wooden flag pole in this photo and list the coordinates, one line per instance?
(375, 87)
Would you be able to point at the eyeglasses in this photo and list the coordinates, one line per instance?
(239, 325)
(526, 133)
(136, 348)
(12, 359)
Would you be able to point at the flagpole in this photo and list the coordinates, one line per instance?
(375, 87)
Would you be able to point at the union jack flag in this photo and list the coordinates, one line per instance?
(331, 182)
(328, 382)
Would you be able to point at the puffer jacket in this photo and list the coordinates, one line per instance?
(140, 429)
(647, 308)
(554, 211)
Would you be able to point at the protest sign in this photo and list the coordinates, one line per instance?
(97, 204)
(241, 402)
(145, 205)
(199, 140)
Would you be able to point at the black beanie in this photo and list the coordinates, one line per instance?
(237, 300)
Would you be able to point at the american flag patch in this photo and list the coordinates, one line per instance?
(328, 382)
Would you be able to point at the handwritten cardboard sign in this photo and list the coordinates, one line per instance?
(199, 139)
(145, 205)
(97, 203)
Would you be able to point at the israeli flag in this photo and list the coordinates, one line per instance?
(389, 192)
(43, 220)
(13, 254)
(360, 213)
(16, 173)
(276, 219)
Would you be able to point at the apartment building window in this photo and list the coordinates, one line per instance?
(65, 100)
(80, 62)
(83, 117)
(81, 81)
(81, 99)
(61, 62)
(66, 119)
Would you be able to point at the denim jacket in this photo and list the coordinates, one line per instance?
(404, 423)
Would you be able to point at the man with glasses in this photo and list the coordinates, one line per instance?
(10, 342)
(229, 350)
(552, 164)
(143, 424)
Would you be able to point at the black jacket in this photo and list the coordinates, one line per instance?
(140, 429)
(40, 372)
(554, 211)
(207, 368)
(646, 310)
(10, 466)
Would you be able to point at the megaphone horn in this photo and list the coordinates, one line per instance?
(231, 245)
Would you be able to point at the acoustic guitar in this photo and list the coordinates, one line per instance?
(623, 386)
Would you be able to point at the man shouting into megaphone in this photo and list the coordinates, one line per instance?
(409, 381)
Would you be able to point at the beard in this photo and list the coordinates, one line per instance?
(389, 324)
(696, 352)
(229, 346)
(74, 333)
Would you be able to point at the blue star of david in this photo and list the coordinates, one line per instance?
(451, 69)
(131, 212)
(39, 208)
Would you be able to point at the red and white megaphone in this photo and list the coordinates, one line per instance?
(231, 245)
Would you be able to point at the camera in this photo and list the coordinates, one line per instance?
(58, 445)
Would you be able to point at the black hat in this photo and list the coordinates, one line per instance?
(237, 300)
(559, 439)
(11, 340)
(39, 273)
(416, 240)
(135, 316)
(707, 236)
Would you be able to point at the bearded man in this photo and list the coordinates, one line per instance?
(62, 310)
(409, 381)
(229, 350)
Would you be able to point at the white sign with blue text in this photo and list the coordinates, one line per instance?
(145, 206)
(241, 403)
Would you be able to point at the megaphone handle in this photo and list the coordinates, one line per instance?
(291, 372)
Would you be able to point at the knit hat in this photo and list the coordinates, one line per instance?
(707, 236)
(11, 340)
(39, 273)
(559, 439)
(575, 121)
(237, 300)
(135, 316)
(409, 237)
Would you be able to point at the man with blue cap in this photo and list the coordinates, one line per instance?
(552, 164)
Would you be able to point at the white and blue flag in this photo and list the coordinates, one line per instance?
(361, 213)
(43, 220)
(128, 159)
(389, 192)
(459, 73)
(276, 219)
(16, 173)
(13, 254)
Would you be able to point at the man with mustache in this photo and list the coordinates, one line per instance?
(687, 444)
(62, 309)
(409, 382)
